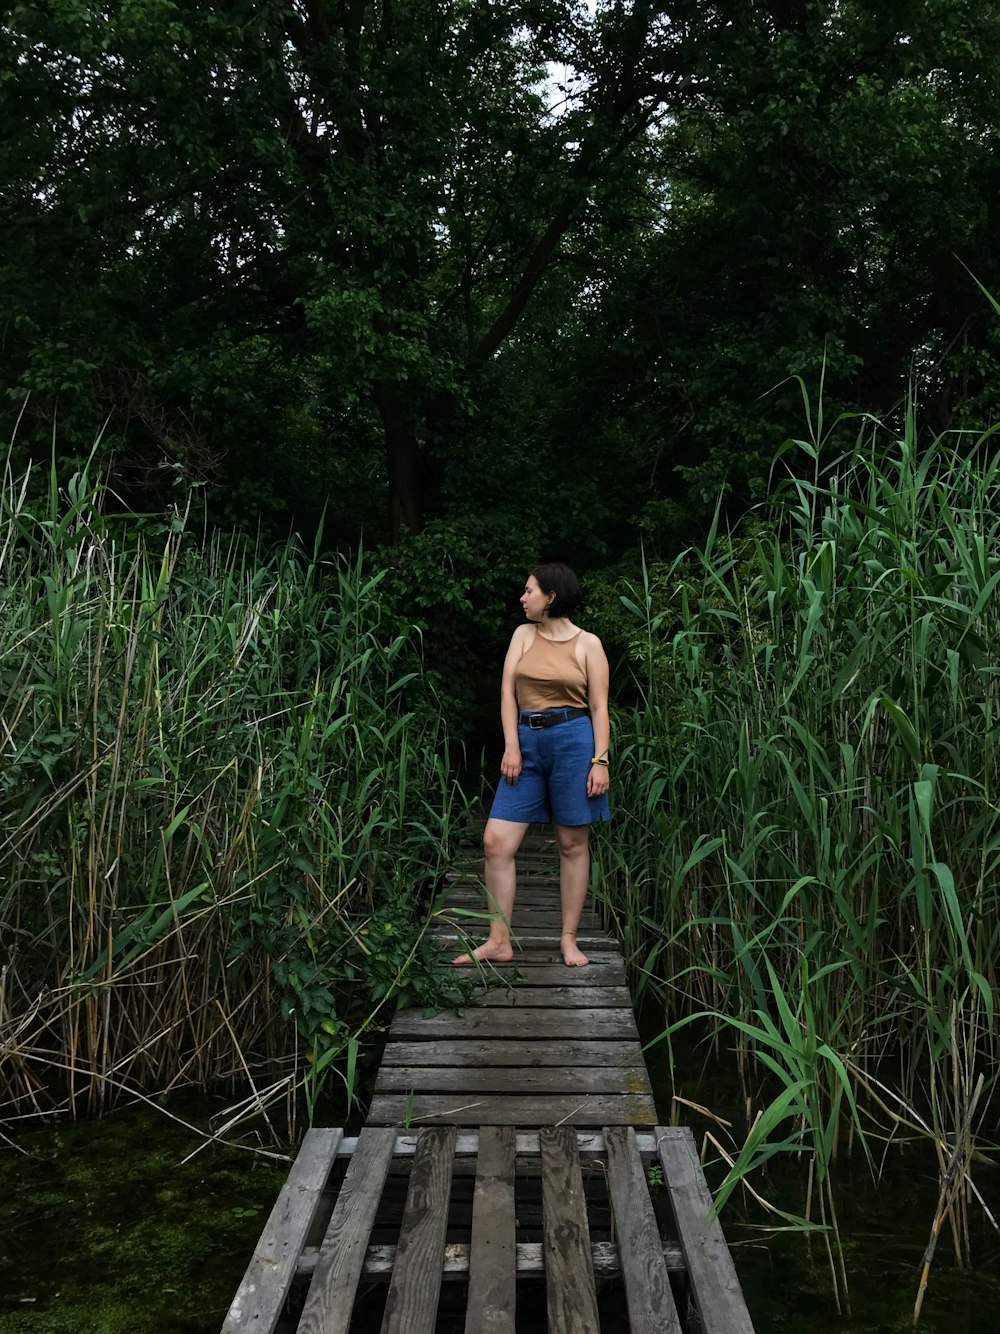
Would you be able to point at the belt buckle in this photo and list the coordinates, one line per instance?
(536, 722)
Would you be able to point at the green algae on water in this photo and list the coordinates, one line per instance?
(104, 1230)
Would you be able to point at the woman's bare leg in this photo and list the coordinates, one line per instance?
(501, 840)
(574, 881)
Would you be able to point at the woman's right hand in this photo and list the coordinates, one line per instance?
(510, 765)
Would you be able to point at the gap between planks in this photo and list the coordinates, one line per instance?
(455, 1263)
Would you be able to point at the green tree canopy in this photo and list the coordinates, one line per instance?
(417, 258)
(325, 216)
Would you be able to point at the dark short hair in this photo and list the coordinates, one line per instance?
(557, 578)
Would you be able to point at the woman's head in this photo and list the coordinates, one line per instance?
(560, 586)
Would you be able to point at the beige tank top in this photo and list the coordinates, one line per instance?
(548, 675)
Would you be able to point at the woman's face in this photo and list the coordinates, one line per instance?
(533, 600)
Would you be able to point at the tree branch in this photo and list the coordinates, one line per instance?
(530, 277)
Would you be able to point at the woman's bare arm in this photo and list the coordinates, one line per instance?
(510, 765)
(597, 697)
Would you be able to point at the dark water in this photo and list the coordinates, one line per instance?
(104, 1230)
(884, 1225)
(884, 1231)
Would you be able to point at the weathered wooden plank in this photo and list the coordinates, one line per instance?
(650, 1299)
(710, 1267)
(574, 995)
(530, 932)
(522, 1023)
(470, 1052)
(342, 1255)
(513, 1079)
(531, 922)
(529, 947)
(546, 955)
(262, 1293)
(589, 1143)
(411, 1305)
(544, 948)
(528, 1109)
(530, 1260)
(531, 919)
(528, 974)
(493, 1252)
(536, 920)
(571, 1295)
(442, 930)
(557, 998)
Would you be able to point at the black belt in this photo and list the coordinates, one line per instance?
(537, 720)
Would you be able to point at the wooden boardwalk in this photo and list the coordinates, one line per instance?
(510, 1176)
(543, 1045)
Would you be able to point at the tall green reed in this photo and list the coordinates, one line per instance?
(807, 833)
(225, 780)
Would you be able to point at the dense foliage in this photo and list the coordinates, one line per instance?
(807, 838)
(507, 267)
(226, 781)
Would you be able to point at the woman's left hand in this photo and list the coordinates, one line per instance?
(597, 780)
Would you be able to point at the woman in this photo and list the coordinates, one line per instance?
(554, 709)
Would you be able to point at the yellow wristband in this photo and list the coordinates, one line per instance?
(595, 760)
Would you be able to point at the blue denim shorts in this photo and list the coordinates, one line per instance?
(552, 788)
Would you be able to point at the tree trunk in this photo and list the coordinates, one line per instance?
(407, 465)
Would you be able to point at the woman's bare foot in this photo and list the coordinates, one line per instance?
(490, 951)
(573, 957)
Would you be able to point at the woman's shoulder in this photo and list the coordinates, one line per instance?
(522, 636)
(588, 649)
(589, 640)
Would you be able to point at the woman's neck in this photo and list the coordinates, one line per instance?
(556, 628)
